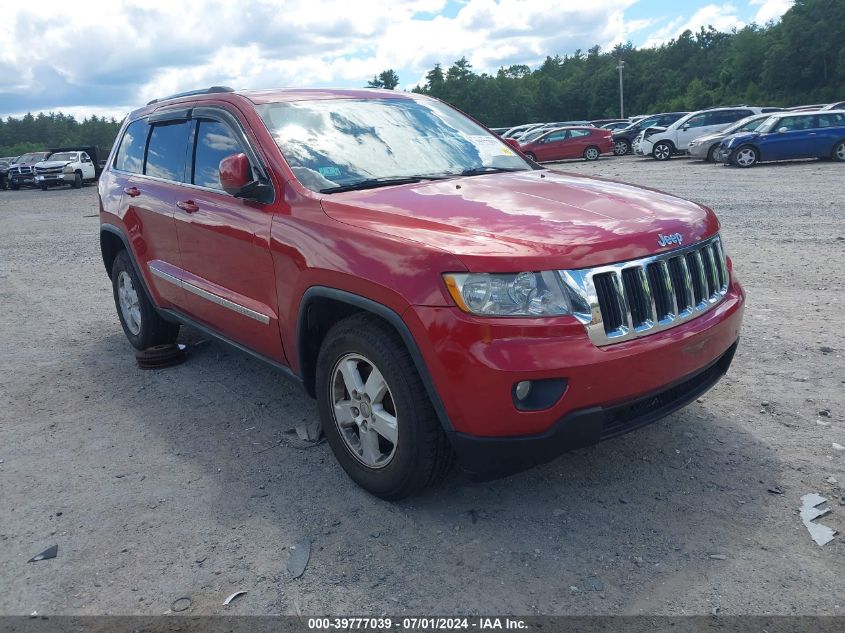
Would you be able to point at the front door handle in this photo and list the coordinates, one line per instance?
(188, 206)
(132, 192)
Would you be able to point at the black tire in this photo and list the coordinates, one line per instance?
(591, 153)
(44, 187)
(745, 156)
(77, 180)
(663, 150)
(531, 156)
(14, 186)
(711, 153)
(152, 330)
(422, 455)
(621, 147)
(838, 151)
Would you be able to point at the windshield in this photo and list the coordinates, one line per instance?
(334, 143)
(33, 157)
(63, 156)
(745, 125)
(533, 135)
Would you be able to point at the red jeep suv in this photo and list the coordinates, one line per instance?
(439, 295)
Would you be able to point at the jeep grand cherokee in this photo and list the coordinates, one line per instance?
(438, 294)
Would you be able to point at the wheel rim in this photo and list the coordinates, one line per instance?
(745, 157)
(592, 153)
(840, 151)
(130, 307)
(620, 148)
(364, 411)
(661, 152)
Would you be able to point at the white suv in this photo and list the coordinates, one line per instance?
(677, 136)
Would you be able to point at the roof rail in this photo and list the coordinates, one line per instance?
(739, 105)
(190, 93)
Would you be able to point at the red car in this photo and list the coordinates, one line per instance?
(568, 142)
(440, 296)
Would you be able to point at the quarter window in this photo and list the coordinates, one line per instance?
(130, 154)
(167, 151)
(215, 141)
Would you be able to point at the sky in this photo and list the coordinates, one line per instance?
(107, 57)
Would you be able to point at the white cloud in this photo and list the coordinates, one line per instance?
(722, 17)
(770, 9)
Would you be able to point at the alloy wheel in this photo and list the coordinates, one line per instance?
(364, 411)
(130, 306)
(840, 151)
(746, 157)
(662, 151)
(620, 148)
(591, 153)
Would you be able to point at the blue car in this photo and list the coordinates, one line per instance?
(787, 136)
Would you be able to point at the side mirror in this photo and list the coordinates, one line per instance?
(236, 180)
(781, 130)
(686, 126)
(513, 143)
(235, 173)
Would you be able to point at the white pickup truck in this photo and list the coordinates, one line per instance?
(65, 168)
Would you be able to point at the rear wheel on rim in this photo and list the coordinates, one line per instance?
(662, 151)
(141, 323)
(591, 153)
(375, 411)
(745, 156)
(531, 156)
(839, 151)
(621, 147)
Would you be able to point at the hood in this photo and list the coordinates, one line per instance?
(532, 220)
(47, 164)
(709, 137)
(739, 137)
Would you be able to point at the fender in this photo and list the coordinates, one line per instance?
(389, 315)
(115, 230)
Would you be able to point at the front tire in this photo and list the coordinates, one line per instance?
(375, 412)
(621, 147)
(839, 151)
(77, 180)
(746, 156)
(662, 151)
(592, 153)
(141, 323)
(711, 153)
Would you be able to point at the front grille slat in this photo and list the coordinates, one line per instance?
(640, 297)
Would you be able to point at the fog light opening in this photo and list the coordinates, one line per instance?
(523, 388)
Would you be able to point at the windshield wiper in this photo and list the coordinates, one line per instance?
(386, 181)
(477, 171)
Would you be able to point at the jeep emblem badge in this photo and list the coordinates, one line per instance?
(673, 238)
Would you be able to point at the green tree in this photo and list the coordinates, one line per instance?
(386, 79)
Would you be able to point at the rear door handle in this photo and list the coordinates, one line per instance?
(188, 206)
(132, 191)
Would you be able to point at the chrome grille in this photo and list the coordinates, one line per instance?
(47, 170)
(644, 296)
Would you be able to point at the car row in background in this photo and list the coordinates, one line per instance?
(71, 166)
(560, 143)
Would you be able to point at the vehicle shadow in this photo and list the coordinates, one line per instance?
(627, 525)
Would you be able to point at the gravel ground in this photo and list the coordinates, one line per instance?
(188, 482)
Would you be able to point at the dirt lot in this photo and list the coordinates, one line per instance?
(187, 482)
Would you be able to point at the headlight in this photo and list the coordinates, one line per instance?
(526, 294)
(68, 169)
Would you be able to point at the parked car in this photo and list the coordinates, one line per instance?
(21, 173)
(438, 294)
(65, 168)
(570, 142)
(4, 171)
(624, 138)
(519, 129)
(499, 130)
(675, 139)
(807, 108)
(645, 133)
(603, 122)
(788, 136)
(704, 147)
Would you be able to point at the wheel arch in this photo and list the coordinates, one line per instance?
(112, 241)
(321, 307)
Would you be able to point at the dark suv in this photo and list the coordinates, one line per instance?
(624, 138)
(438, 294)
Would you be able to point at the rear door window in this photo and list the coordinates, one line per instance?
(167, 151)
(215, 141)
(130, 154)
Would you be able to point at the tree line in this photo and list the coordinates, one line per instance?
(44, 131)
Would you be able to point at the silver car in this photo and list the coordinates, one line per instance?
(705, 146)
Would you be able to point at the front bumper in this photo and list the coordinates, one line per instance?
(475, 362)
(53, 179)
(699, 150)
(722, 155)
(22, 179)
(643, 148)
